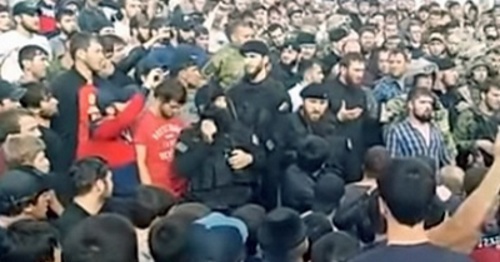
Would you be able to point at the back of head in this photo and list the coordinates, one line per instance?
(29, 241)
(407, 187)
(167, 238)
(191, 211)
(86, 172)
(376, 159)
(335, 246)
(317, 225)
(9, 123)
(103, 238)
(22, 149)
(151, 202)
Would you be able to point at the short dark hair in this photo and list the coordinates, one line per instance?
(167, 238)
(389, 13)
(79, 41)
(30, 240)
(350, 58)
(109, 41)
(408, 188)
(274, 27)
(171, 90)
(335, 246)
(418, 92)
(28, 53)
(367, 29)
(86, 172)
(274, 9)
(35, 94)
(140, 20)
(376, 160)
(9, 122)
(151, 202)
(103, 238)
(399, 51)
(64, 12)
(234, 24)
(158, 22)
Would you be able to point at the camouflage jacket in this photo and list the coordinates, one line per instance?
(473, 125)
(440, 118)
(226, 67)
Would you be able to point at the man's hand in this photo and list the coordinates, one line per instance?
(208, 130)
(487, 146)
(345, 114)
(240, 159)
(154, 79)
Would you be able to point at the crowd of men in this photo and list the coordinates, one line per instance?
(249, 130)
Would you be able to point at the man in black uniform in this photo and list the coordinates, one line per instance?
(220, 158)
(261, 103)
(314, 118)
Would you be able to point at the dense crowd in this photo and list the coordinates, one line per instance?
(249, 130)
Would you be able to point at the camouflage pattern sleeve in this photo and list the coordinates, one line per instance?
(442, 121)
(464, 130)
(213, 65)
(397, 109)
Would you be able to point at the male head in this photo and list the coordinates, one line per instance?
(167, 238)
(256, 55)
(415, 30)
(32, 240)
(185, 69)
(383, 63)
(160, 26)
(282, 235)
(5, 19)
(169, 98)
(17, 121)
(24, 193)
(420, 104)
(140, 28)
(335, 246)
(312, 72)
(201, 37)
(277, 35)
(239, 32)
(33, 60)
(26, 150)
(66, 21)
(151, 203)
(91, 177)
(10, 95)
(436, 44)
(352, 69)
(391, 29)
(407, 188)
(103, 237)
(87, 51)
(26, 16)
(39, 100)
(480, 70)
(130, 8)
(490, 97)
(315, 98)
(376, 160)
(398, 63)
(453, 45)
(367, 39)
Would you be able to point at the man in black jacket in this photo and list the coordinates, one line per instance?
(261, 103)
(348, 104)
(221, 159)
(88, 56)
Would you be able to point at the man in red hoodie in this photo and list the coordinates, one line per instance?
(110, 136)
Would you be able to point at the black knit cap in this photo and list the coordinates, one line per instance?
(319, 91)
(255, 46)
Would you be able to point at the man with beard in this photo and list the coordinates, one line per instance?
(26, 16)
(348, 103)
(417, 136)
(475, 128)
(66, 24)
(220, 158)
(262, 117)
(285, 69)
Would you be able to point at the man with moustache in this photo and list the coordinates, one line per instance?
(349, 106)
(475, 127)
(417, 136)
(261, 103)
